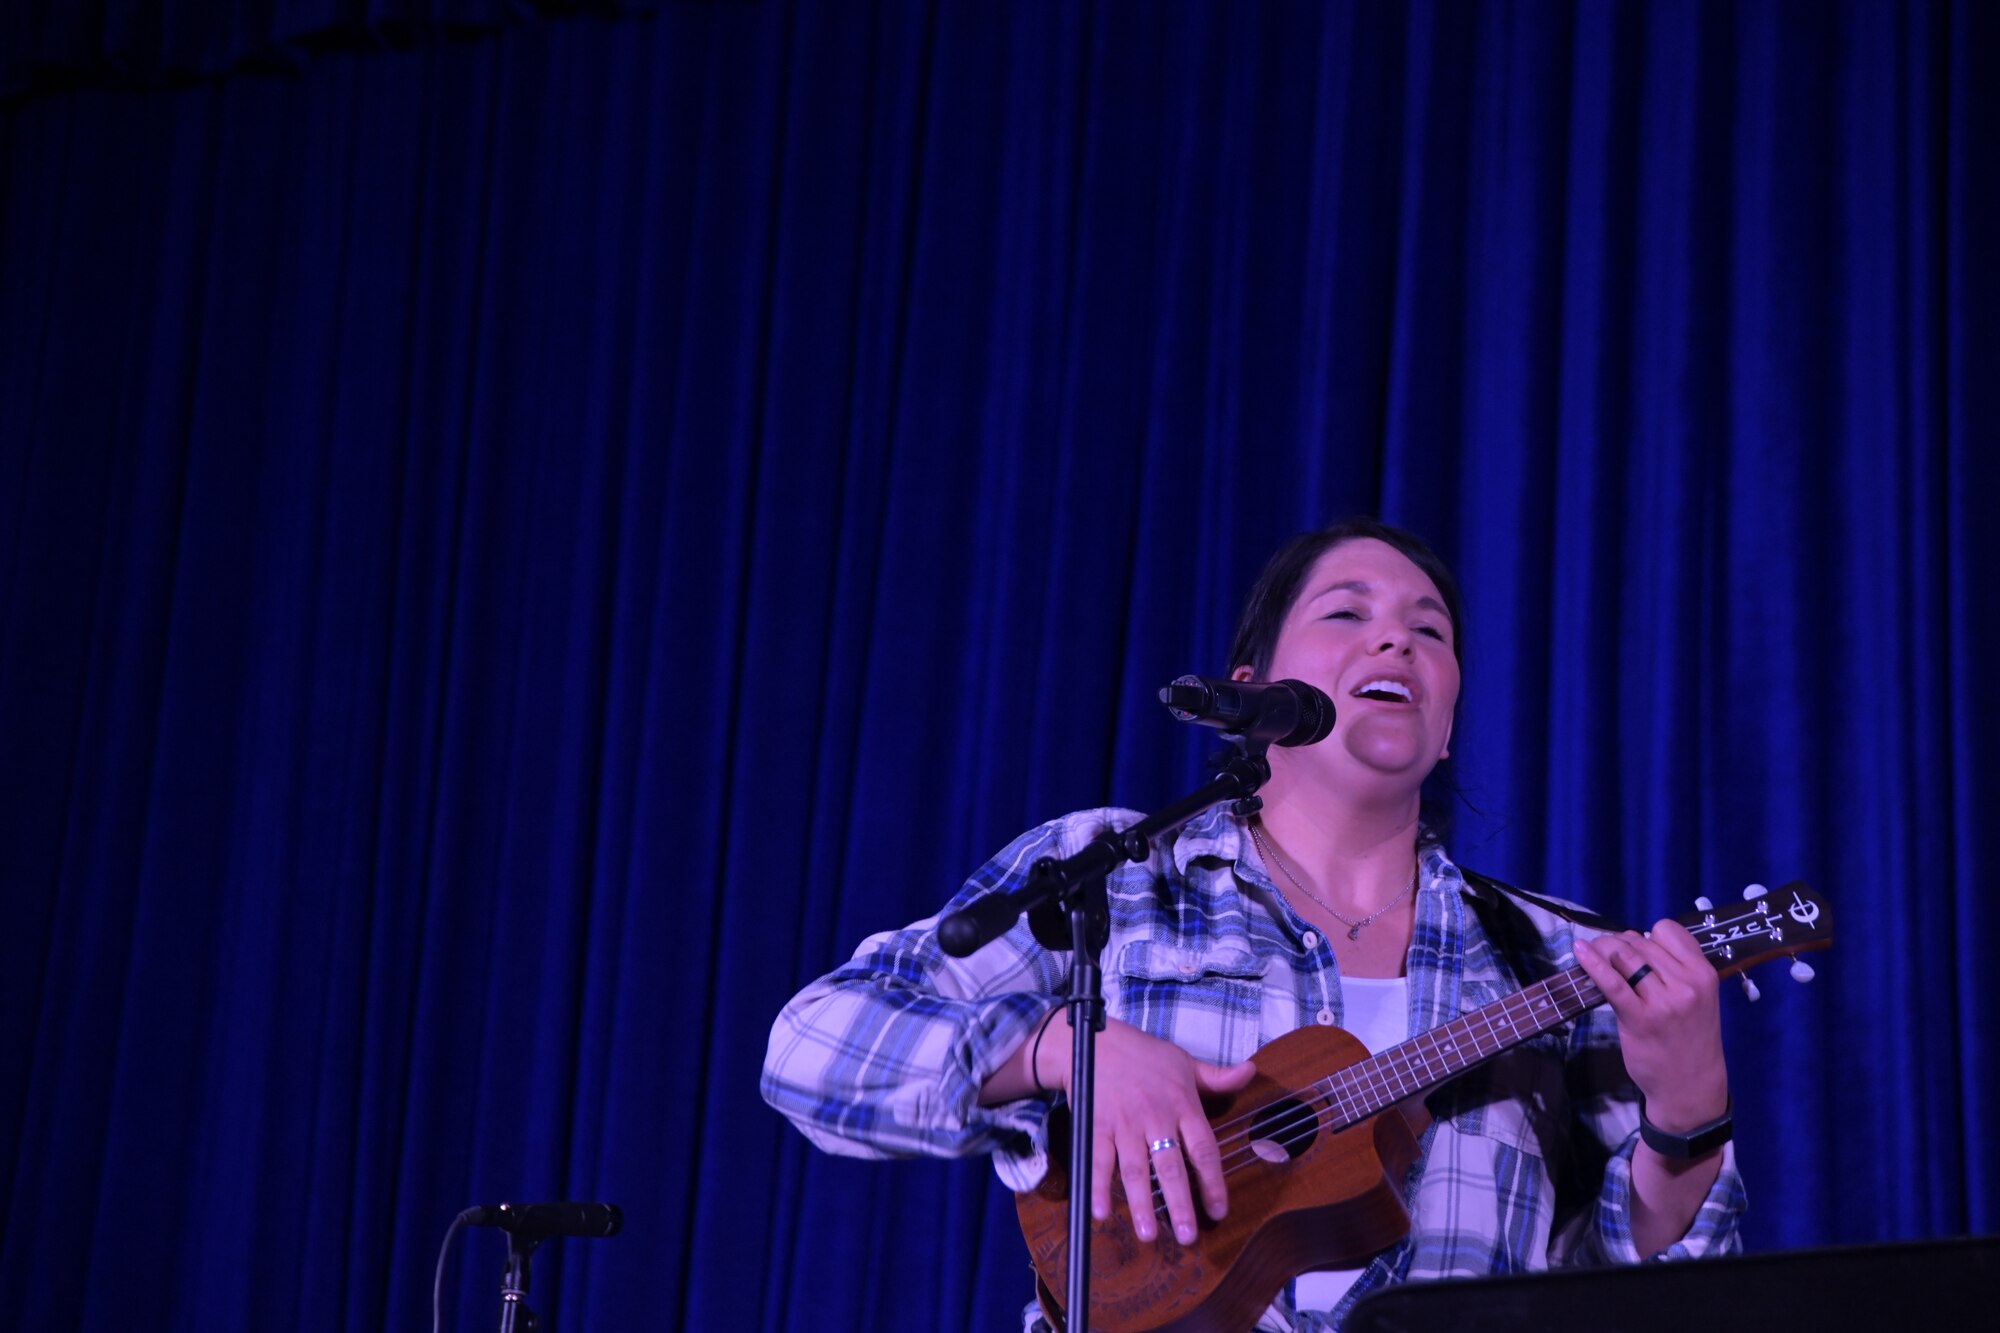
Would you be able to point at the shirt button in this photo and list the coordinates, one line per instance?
(1310, 939)
(1325, 1017)
(1188, 965)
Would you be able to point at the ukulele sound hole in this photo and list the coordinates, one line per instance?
(1283, 1130)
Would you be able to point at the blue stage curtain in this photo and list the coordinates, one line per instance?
(517, 552)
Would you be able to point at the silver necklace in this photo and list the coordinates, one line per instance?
(1353, 927)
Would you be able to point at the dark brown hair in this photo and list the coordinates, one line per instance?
(1271, 597)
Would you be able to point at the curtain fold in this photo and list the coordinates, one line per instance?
(519, 548)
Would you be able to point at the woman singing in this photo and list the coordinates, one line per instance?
(1333, 905)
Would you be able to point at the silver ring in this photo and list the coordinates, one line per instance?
(1643, 971)
(1161, 1145)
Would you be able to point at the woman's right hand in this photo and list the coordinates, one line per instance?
(1149, 1090)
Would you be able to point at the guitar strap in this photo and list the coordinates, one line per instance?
(1497, 888)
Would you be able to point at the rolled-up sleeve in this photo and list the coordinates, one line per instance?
(1613, 1117)
(885, 1056)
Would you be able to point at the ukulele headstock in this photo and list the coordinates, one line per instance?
(1768, 923)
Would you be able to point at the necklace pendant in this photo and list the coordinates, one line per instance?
(1354, 932)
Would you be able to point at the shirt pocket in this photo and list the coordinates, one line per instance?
(1519, 1098)
(1209, 1002)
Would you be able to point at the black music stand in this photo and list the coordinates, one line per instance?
(1932, 1284)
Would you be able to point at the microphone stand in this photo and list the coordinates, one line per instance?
(516, 1315)
(1065, 904)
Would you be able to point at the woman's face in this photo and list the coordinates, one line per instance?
(1370, 629)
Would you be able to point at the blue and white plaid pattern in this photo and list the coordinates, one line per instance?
(1528, 1165)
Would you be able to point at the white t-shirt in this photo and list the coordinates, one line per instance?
(1377, 1013)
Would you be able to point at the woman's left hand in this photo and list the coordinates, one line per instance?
(1669, 1020)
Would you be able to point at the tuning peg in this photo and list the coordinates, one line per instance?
(1754, 891)
(1704, 904)
(1801, 971)
(1750, 988)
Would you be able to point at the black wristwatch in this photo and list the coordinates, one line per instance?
(1697, 1142)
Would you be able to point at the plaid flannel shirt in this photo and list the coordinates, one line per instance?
(1528, 1162)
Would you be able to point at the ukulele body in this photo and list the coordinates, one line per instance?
(1301, 1197)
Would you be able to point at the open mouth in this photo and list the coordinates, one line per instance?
(1383, 691)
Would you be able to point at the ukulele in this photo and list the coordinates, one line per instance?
(1315, 1147)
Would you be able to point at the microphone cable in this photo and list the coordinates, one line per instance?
(437, 1283)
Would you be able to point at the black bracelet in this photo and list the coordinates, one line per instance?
(1035, 1055)
(1697, 1142)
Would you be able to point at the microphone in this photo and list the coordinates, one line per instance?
(1277, 712)
(538, 1221)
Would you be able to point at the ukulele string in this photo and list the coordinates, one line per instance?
(1345, 1095)
(1409, 1062)
(1575, 978)
(1340, 1093)
(1322, 1098)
